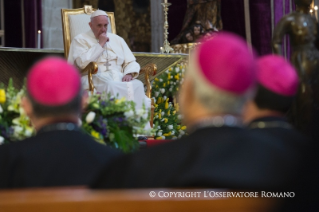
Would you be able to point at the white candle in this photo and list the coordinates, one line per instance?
(39, 39)
(165, 1)
(316, 12)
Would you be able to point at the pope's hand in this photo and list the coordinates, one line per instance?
(127, 78)
(103, 39)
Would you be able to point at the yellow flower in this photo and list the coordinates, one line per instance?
(177, 107)
(159, 138)
(164, 85)
(156, 86)
(166, 104)
(165, 120)
(178, 127)
(167, 134)
(181, 67)
(168, 75)
(167, 82)
(160, 114)
(95, 134)
(177, 89)
(156, 105)
(183, 128)
(174, 112)
(117, 101)
(2, 96)
(169, 113)
(176, 77)
(170, 69)
(156, 79)
(159, 100)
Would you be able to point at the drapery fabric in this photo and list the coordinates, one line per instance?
(23, 19)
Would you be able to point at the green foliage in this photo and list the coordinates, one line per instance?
(166, 118)
(14, 124)
(114, 122)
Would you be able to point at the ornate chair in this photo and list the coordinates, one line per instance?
(74, 22)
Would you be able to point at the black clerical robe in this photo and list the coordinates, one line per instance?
(53, 158)
(225, 157)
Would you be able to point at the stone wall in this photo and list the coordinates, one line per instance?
(52, 24)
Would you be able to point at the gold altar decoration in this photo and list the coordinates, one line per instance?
(184, 48)
(166, 46)
(302, 30)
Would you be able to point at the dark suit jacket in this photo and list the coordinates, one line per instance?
(306, 186)
(55, 158)
(226, 157)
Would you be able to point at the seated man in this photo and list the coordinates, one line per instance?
(218, 152)
(60, 154)
(117, 65)
(277, 87)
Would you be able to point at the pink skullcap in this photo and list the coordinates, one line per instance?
(53, 82)
(227, 63)
(277, 75)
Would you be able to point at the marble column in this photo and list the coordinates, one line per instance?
(157, 25)
(52, 24)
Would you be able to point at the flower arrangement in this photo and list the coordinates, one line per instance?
(167, 121)
(114, 122)
(14, 124)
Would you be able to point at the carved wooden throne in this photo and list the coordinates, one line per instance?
(74, 22)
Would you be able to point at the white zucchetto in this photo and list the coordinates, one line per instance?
(98, 13)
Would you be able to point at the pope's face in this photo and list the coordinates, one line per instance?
(98, 25)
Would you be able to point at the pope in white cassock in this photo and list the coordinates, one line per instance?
(117, 66)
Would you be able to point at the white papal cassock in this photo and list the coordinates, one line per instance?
(114, 60)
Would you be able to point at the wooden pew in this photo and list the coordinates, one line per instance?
(85, 200)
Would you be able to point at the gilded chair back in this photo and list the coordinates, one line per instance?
(76, 21)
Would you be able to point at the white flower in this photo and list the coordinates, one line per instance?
(17, 130)
(172, 132)
(174, 83)
(177, 69)
(170, 89)
(159, 133)
(167, 71)
(90, 117)
(170, 127)
(11, 108)
(181, 132)
(164, 98)
(1, 140)
(171, 77)
(183, 70)
(156, 94)
(142, 113)
(179, 116)
(163, 137)
(163, 113)
(129, 114)
(161, 80)
(156, 116)
(1, 110)
(162, 90)
(28, 133)
(159, 127)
